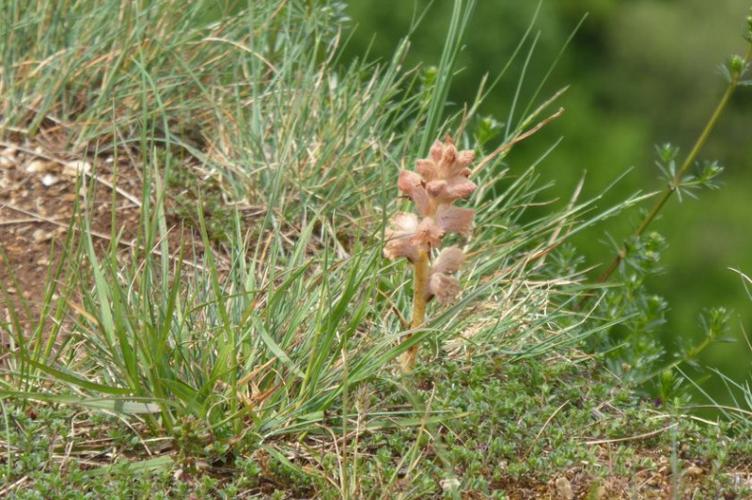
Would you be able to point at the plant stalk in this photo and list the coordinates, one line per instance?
(688, 162)
(420, 294)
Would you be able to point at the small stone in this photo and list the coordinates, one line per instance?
(40, 235)
(76, 168)
(564, 488)
(449, 484)
(8, 158)
(597, 492)
(37, 166)
(694, 471)
(49, 180)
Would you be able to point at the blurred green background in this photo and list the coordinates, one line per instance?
(641, 73)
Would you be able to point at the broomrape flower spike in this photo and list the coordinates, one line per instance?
(437, 183)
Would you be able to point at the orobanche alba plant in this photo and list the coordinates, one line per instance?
(438, 183)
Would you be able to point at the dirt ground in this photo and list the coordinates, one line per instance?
(654, 483)
(40, 186)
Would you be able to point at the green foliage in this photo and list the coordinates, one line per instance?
(266, 330)
(488, 428)
(225, 351)
(639, 73)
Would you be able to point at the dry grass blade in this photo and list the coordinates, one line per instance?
(517, 139)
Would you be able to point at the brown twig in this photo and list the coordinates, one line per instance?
(125, 194)
(97, 234)
(632, 438)
(13, 486)
(516, 139)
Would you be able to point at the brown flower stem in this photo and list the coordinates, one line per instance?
(420, 294)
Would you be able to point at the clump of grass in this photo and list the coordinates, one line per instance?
(266, 338)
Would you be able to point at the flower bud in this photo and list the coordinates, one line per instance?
(736, 65)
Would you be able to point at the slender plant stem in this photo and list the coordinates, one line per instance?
(688, 162)
(420, 293)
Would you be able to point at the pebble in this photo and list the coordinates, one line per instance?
(76, 168)
(694, 471)
(7, 158)
(49, 180)
(449, 484)
(37, 166)
(564, 488)
(40, 235)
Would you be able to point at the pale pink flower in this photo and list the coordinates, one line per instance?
(447, 191)
(449, 260)
(427, 169)
(444, 287)
(442, 284)
(453, 219)
(437, 149)
(412, 185)
(428, 233)
(407, 236)
(399, 237)
(446, 172)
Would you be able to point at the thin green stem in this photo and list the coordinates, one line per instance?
(688, 162)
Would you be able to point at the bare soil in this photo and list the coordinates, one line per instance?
(40, 187)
